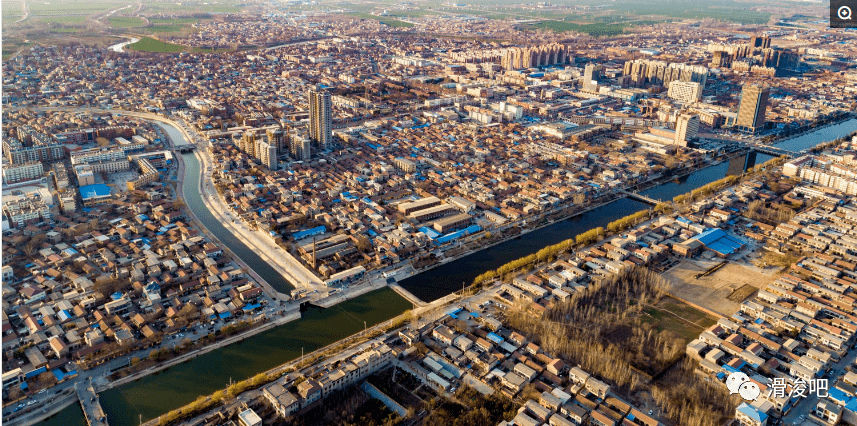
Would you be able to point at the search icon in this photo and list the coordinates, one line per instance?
(844, 13)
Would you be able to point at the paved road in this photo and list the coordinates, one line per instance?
(800, 412)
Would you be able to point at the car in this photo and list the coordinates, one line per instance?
(31, 402)
(651, 411)
(43, 391)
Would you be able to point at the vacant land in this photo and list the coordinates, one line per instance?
(723, 291)
(174, 7)
(11, 46)
(151, 45)
(678, 317)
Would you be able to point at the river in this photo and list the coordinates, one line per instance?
(171, 388)
(120, 47)
(445, 279)
(156, 394)
(193, 199)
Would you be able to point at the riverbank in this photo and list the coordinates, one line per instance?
(293, 272)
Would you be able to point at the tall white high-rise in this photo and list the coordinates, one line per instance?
(320, 118)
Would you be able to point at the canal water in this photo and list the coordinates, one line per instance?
(155, 395)
(443, 280)
(176, 386)
(193, 199)
(825, 134)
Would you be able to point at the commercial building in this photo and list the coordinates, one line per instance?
(751, 110)
(432, 213)
(94, 194)
(686, 128)
(591, 76)
(452, 223)
(408, 208)
(24, 171)
(320, 118)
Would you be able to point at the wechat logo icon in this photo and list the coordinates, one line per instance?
(739, 383)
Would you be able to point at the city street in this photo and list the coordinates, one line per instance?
(802, 409)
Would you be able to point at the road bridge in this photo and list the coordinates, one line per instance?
(90, 403)
(776, 152)
(640, 197)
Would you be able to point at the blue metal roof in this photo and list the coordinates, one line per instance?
(751, 412)
(94, 191)
(309, 232)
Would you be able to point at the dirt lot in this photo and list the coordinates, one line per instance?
(723, 291)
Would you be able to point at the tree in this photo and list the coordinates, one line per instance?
(363, 243)
(47, 379)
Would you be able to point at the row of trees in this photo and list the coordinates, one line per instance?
(626, 222)
(706, 190)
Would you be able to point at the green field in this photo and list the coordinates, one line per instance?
(691, 323)
(125, 22)
(597, 30)
(10, 7)
(151, 45)
(66, 7)
(60, 19)
(174, 7)
(389, 21)
(166, 28)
